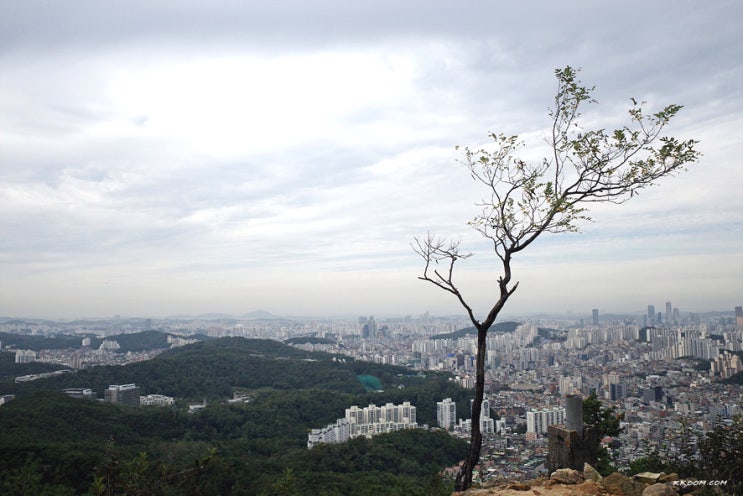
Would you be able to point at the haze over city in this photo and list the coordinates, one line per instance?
(162, 158)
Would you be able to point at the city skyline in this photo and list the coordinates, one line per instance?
(582, 316)
(160, 160)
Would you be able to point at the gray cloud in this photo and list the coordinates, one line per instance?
(160, 157)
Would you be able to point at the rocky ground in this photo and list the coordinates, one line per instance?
(569, 482)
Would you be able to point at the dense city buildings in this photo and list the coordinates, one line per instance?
(657, 369)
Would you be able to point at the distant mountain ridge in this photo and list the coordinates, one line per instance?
(137, 341)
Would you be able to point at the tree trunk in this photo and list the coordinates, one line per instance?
(464, 476)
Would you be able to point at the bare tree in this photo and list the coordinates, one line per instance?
(525, 200)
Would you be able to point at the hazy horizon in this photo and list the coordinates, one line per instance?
(162, 159)
(254, 315)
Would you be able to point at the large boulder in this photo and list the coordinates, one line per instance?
(647, 477)
(567, 476)
(590, 473)
(659, 489)
(673, 476)
(621, 484)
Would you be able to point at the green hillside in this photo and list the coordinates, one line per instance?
(256, 447)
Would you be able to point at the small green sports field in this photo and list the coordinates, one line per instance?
(370, 382)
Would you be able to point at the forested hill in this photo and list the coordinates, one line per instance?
(213, 369)
(53, 444)
(498, 328)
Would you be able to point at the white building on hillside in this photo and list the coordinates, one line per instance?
(367, 421)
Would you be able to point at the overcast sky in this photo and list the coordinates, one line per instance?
(162, 158)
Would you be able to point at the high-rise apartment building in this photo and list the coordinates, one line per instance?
(484, 407)
(739, 316)
(366, 422)
(487, 424)
(529, 359)
(570, 385)
(538, 421)
(446, 413)
(337, 433)
(25, 356)
(611, 378)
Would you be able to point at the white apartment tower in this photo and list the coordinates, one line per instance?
(446, 413)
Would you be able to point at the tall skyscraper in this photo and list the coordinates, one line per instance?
(739, 316)
(368, 327)
(651, 315)
(669, 313)
(596, 317)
